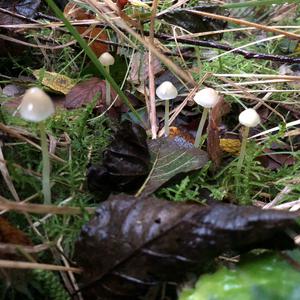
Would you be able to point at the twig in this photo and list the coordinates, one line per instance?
(216, 45)
(17, 135)
(10, 264)
(246, 23)
(42, 209)
(15, 249)
(152, 105)
(278, 198)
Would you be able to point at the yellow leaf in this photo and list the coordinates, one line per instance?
(231, 146)
(57, 82)
(138, 3)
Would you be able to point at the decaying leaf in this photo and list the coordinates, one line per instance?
(274, 161)
(231, 146)
(92, 34)
(125, 163)
(133, 244)
(56, 82)
(26, 8)
(195, 23)
(169, 158)
(139, 71)
(87, 91)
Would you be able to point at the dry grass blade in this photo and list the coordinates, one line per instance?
(247, 23)
(10, 264)
(185, 76)
(42, 209)
(6, 176)
(15, 249)
(16, 134)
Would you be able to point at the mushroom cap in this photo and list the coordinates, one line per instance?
(249, 117)
(106, 59)
(166, 91)
(207, 97)
(36, 105)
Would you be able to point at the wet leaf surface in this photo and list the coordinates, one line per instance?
(26, 8)
(126, 162)
(169, 158)
(195, 23)
(133, 244)
(87, 91)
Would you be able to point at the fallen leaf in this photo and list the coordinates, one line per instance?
(195, 23)
(139, 71)
(12, 235)
(74, 12)
(56, 82)
(85, 92)
(125, 164)
(171, 157)
(231, 146)
(274, 161)
(26, 8)
(133, 244)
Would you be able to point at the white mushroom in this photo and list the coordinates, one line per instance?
(249, 118)
(166, 91)
(37, 106)
(106, 59)
(207, 98)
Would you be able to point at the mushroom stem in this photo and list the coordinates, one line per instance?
(167, 112)
(46, 164)
(200, 127)
(243, 149)
(107, 89)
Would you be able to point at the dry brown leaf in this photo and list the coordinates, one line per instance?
(73, 12)
(87, 91)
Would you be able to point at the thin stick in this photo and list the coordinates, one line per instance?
(246, 23)
(152, 104)
(42, 208)
(10, 264)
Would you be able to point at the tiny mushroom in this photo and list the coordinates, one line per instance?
(106, 59)
(37, 106)
(249, 118)
(166, 91)
(207, 98)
